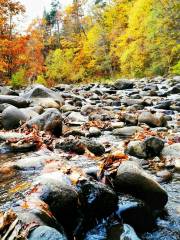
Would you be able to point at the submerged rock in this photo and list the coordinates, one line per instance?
(131, 209)
(46, 233)
(134, 180)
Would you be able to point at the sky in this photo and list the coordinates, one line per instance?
(35, 8)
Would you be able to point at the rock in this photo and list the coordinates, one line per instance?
(40, 91)
(164, 176)
(3, 106)
(115, 125)
(172, 150)
(123, 84)
(126, 131)
(74, 132)
(88, 109)
(130, 209)
(46, 233)
(71, 145)
(154, 120)
(76, 117)
(130, 119)
(16, 101)
(50, 121)
(92, 172)
(97, 199)
(94, 147)
(177, 164)
(137, 149)
(99, 232)
(153, 146)
(128, 233)
(94, 132)
(61, 197)
(46, 103)
(175, 89)
(68, 108)
(12, 117)
(164, 105)
(134, 180)
(8, 91)
(29, 113)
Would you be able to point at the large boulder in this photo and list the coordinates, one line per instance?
(97, 199)
(50, 121)
(61, 197)
(46, 233)
(123, 84)
(12, 117)
(154, 120)
(15, 101)
(134, 180)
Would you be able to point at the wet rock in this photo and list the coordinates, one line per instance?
(153, 146)
(94, 132)
(172, 151)
(123, 84)
(164, 176)
(50, 121)
(71, 145)
(134, 180)
(97, 199)
(68, 108)
(163, 105)
(130, 209)
(46, 233)
(128, 233)
(16, 101)
(94, 147)
(154, 120)
(126, 131)
(60, 196)
(175, 89)
(137, 149)
(12, 117)
(97, 233)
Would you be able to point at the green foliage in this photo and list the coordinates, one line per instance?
(176, 69)
(18, 78)
(41, 80)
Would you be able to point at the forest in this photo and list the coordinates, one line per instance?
(90, 41)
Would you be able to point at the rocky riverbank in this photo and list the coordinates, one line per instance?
(90, 162)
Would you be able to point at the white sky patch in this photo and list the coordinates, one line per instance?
(34, 9)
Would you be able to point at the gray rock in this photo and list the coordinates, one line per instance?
(12, 117)
(137, 149)
(15, 101)
(123, 84)
(126, 131)
(172, 151)
(95, 147)
(134, 180)
(50, 121)
(76, 117)
(3, 106)
(94, 132)
(46, 233)
(71, 145)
